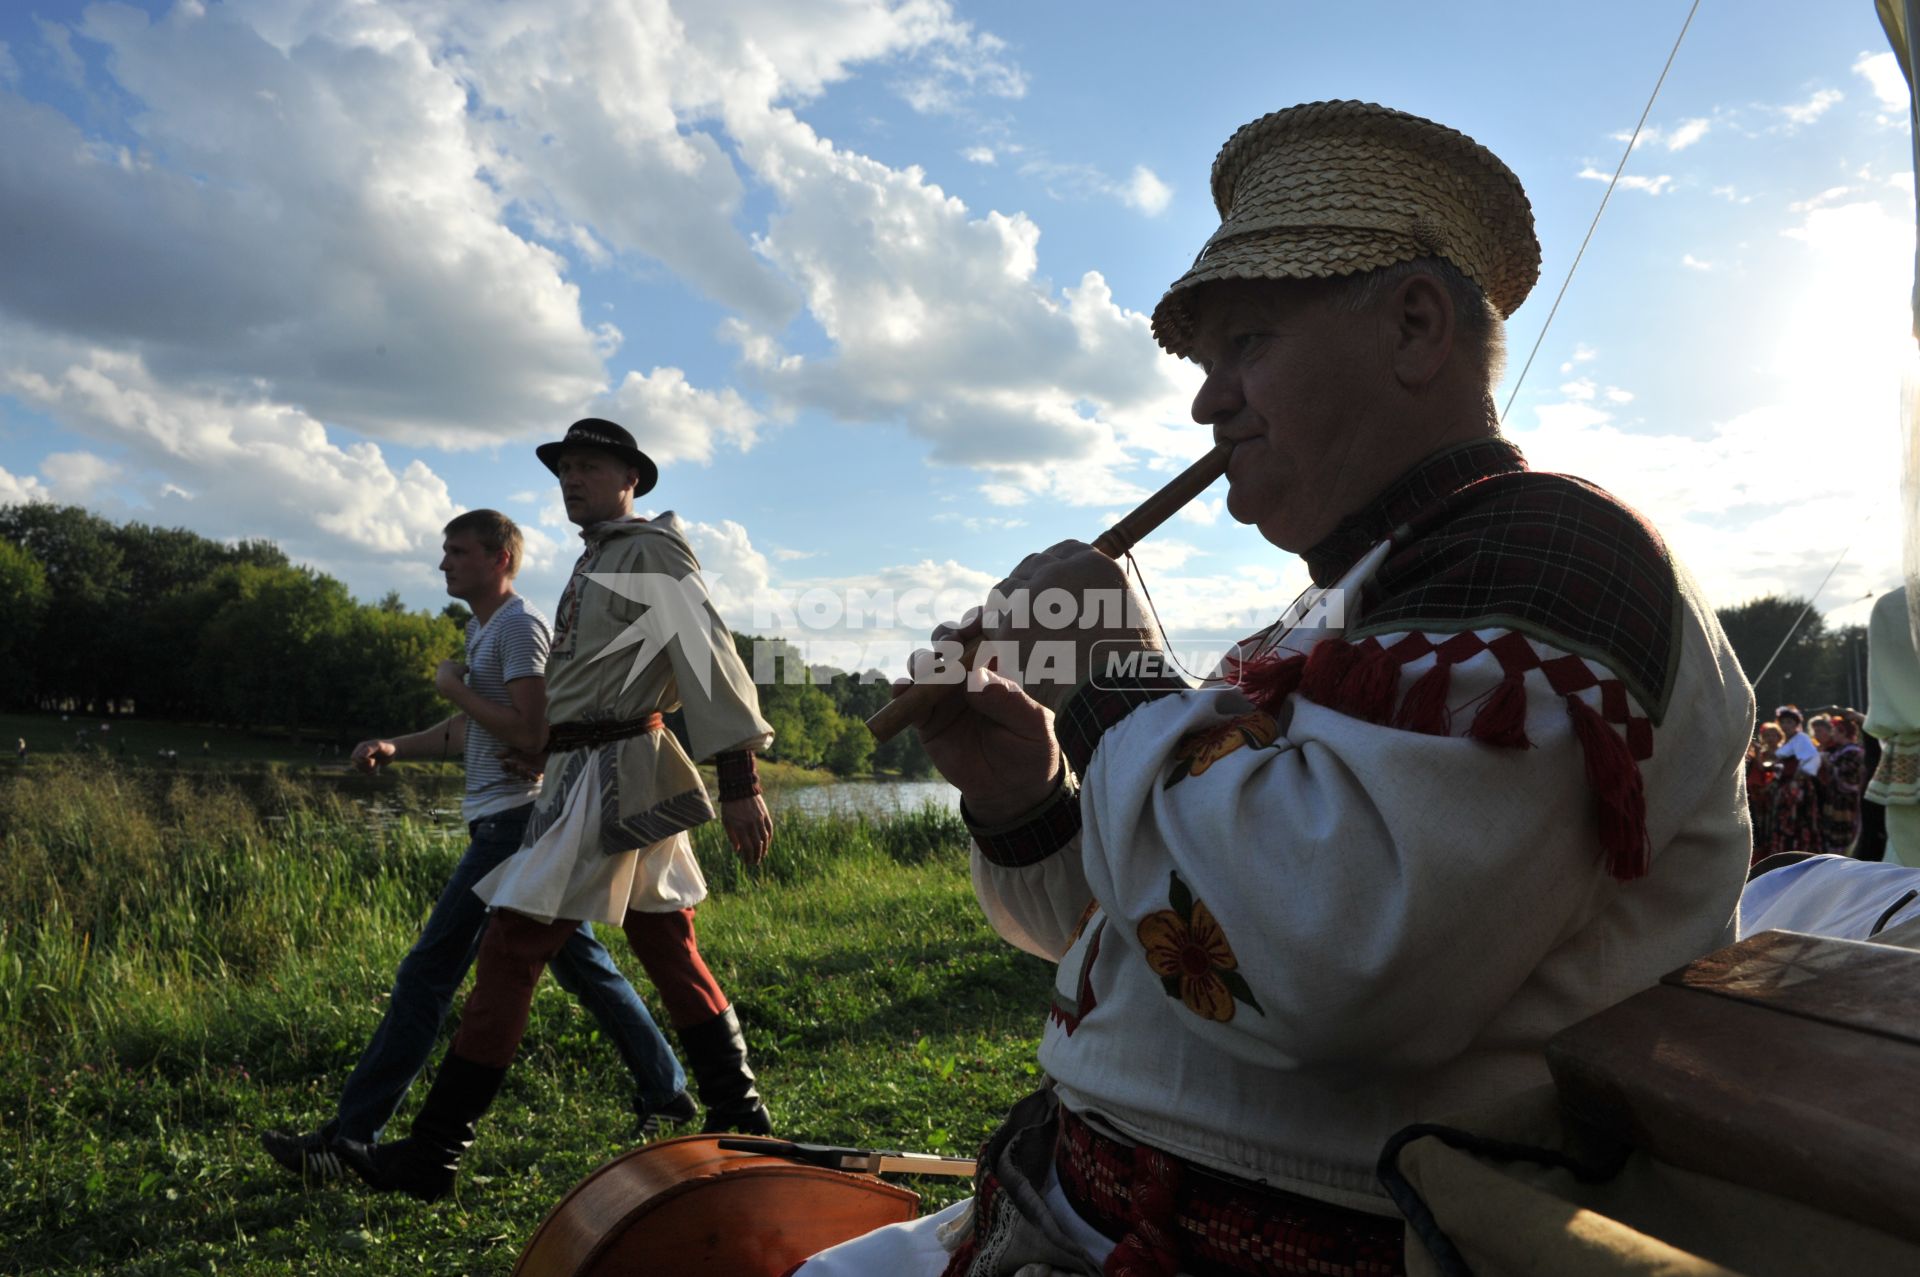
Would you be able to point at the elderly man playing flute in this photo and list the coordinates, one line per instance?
(1357, 878)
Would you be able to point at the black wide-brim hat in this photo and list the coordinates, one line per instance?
(595, 432)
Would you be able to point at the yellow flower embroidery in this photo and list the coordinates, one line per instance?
(1200, 750)
(1189, 952)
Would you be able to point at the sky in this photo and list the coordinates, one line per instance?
(870, 278)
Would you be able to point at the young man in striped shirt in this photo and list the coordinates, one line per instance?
(500, 693)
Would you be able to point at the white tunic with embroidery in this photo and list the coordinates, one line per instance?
(635, 634)
(1283, 937)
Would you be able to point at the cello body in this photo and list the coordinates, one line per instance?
(688, 1208)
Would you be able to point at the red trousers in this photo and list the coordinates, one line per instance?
(516, 949)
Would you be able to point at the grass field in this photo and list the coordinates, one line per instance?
(183, 965)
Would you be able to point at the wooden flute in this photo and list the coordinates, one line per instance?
(910, 707)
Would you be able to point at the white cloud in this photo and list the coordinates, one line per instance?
(979, 522)
(1630, 181)
(244, 461)
(672, 420)
(1685, 134)
(1146, 192)
(961, 62)
(1813, 108)
(1832, 195)
(785, 555)
(938, 320)
(737, 575)
(1677, 138)
(312, 220)
(1881, 71)
(1764, 521)
(1204, 511)
(978, 155)
(75, 478)
(20, 489)
(1694, 263)
(1582, 354)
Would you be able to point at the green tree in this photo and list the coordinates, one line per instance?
(860, 698)
(75, 658)
(381, 662)
(1804, 673)
(267, 653)
(23, 601)
(851, 751)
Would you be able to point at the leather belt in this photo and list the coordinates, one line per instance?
(587, 733)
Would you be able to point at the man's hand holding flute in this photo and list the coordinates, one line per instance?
(1042, 631)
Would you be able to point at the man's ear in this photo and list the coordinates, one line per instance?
(1422, 319)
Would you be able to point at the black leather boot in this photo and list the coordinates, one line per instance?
(717, 1056)
(422, 1165)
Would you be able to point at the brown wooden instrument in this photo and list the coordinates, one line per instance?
(706, 1205)
(911, 707)
(1787, 1063)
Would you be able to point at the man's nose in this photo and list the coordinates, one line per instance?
(1218, 399)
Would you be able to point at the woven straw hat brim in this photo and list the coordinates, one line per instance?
(1335, 188)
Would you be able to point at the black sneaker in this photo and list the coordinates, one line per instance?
(311, 1157)
(677, 1111)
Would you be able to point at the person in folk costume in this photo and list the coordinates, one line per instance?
(1760, 771)
(1796, 795)
(499, 692)
(1893, 714)
(1357, 879)
(635, 637)
(1843, 771)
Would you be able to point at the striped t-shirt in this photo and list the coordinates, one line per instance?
(512, 644)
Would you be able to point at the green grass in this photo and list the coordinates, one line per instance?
(184, 963)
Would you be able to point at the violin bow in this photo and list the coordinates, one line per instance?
(858, 1161)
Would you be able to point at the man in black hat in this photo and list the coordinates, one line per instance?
(635, 637)
(500, 693)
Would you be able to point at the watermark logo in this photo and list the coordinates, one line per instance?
(675, 611)
(678, 611)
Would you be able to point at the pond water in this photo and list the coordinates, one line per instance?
(846, 797)
(871, 797)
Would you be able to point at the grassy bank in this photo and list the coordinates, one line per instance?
(183, 963)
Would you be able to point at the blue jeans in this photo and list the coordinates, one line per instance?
(431, 973)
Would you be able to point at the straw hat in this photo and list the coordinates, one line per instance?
(1333, 188)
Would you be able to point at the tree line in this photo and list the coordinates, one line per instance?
(105, 618)
(108, 618)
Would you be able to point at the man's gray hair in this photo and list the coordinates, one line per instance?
(1478, 322)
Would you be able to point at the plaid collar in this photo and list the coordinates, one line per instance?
(1432, 480)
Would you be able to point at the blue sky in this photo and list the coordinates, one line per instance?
(870, 279)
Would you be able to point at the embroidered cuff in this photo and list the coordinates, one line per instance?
(1035, 836)
(1084, 717)
(739, 776)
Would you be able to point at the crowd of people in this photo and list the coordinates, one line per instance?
(1805, 778)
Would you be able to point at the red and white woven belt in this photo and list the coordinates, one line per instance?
(1218, 1224)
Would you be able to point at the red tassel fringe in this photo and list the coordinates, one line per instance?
(1615, 780)
(1269, 679)
(1502, 719)
(1326, 672)
(1424, 709)
(1368, 690)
